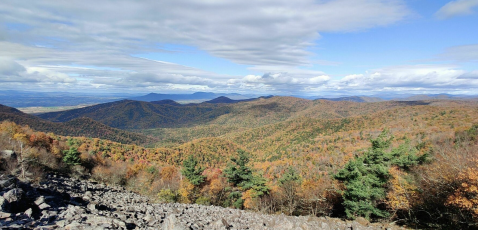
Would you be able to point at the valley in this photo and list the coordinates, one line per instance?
(310, 141)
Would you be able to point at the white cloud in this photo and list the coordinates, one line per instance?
(411, 78)
(457, 8)
(13, 72)
(262, 32)
(469, 75)
(8, 67)
(280, 83)
(90, 45)
(465, 53)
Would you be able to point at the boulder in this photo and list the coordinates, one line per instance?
(13, 195)
(44, 206)
(4, 205)
(172, 223)
(219, 225)
(7, 183)
(29, 212)
(362, 221)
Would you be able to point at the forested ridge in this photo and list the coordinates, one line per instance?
(127, 114)
(295, 156)
(77, 127)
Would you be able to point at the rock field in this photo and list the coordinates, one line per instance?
(66, 203)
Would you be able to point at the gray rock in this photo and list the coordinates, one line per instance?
(219, 225)
(91, 207)
(8, 183)
(104, 207)
(44, 206)
(46, 227)
(172, 223)
(14, 195)
(5, 215)
(61, 223)
(4, 204)
(362, 221)
(29, 212)
(75, 226)
(98, 220)
(39, 200)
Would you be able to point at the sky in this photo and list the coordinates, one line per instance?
(280, 47)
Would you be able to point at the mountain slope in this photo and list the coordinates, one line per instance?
(128, 114)
(76, 127)
(166, 102)
(222, 99)
(354, 99)
(195, 96)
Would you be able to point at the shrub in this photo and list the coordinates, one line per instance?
(167, 196)
(203, 200)
(114, 174)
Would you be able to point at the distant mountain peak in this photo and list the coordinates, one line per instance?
(221, 99)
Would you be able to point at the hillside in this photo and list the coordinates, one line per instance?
(166, 102)
(292, 149)
(76, 127)
(128, 114)
(222, 99)
(260, 113)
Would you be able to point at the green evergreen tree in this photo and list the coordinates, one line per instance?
(237, 172)
(192, 171)
(289, 176)
(72, 156)
(240, 175)
(366, 177)
(258, 184)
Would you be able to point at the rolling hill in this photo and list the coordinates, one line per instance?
(76, 127)
(128, 114)
(313, 138)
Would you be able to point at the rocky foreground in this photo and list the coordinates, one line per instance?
(65, 203)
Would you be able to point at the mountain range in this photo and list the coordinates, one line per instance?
(81, 126)
(181, 97)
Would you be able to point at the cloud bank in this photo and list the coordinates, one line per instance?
(64, 45)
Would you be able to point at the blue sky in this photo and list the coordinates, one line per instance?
(303, 47)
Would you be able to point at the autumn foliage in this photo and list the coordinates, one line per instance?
(317, 158)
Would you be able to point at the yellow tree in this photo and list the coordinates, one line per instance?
(466, 196)
(402, 192)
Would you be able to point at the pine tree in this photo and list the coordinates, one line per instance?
(192, 171)
(237, 172)
(366, 177)
(72, 156)
(240, 176)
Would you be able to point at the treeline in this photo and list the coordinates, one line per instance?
(429, 184)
